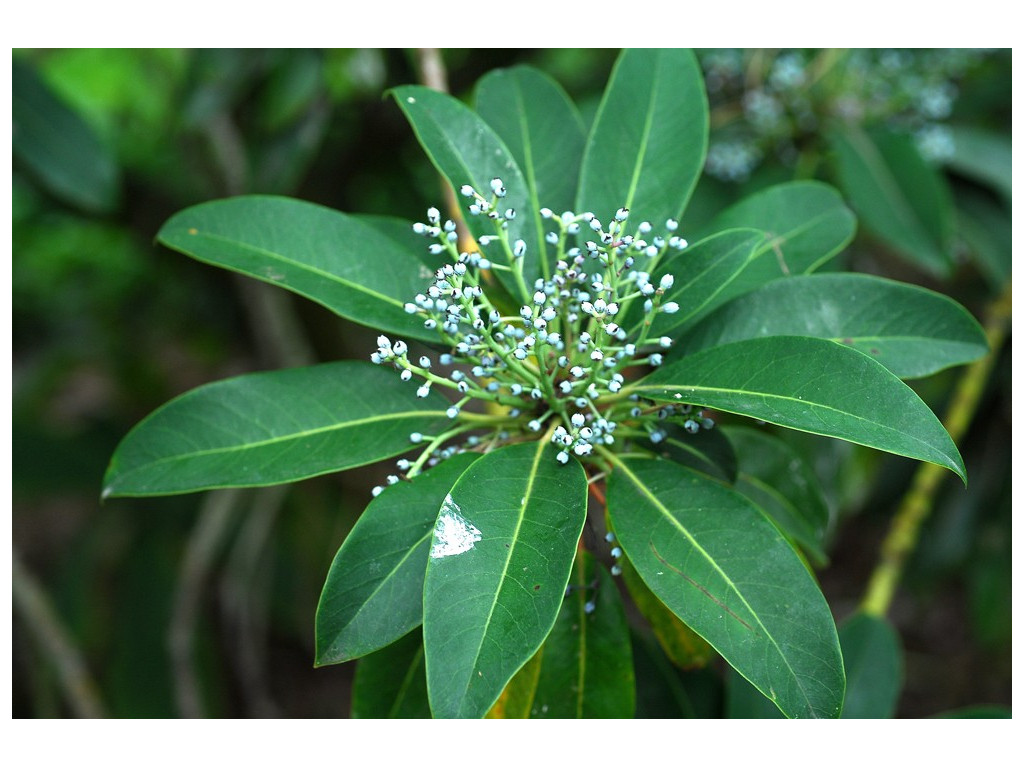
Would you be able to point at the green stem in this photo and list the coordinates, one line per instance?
(916, 505)
(433, 445)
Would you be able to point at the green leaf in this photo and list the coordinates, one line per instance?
(500, 559)
(684, 647)
(58, 146)
(723, 569)
(700, 273)
(401, 232)
(516, 700)
(874, 666)
(466, 150)
(707, 451)
(898, 196)
(541, 127)
(983, 155)
(806, 224)
(647, 145)
(664, 692)
(392, 683)
(744, 702)
(813, 385)
(978, 712)
(774, 477)
(374, 590)
(334, 259)
(587, 663)
(270, 428)
(987, 231)
(910, 330)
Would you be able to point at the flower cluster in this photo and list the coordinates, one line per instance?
(558, 364)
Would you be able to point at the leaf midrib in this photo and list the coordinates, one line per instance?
(280, 258)
(531, 477)
(530, 175)
(663, 510)
(893, 194)
(644, 140)
(284, 438)
(696, 389)
(381, 583)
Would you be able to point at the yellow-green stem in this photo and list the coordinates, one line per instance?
(916, 505)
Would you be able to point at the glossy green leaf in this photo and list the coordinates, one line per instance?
(647, 145)
(541, 127)
(779, 482)
(334, 259)
(466, 150)
(707, 451)
(897, 195)
(270, 428)
(499, 562)
(805, 223)
(587, 663)
(59, 148)
(700, 273)
(373, 594)
(726, 571)
(813, 385)
(684, 647)
(910, 330)
(392, 683)
(874, 666)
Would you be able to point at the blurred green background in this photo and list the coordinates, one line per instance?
(203, 605)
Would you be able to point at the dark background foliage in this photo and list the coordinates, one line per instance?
(196, 605)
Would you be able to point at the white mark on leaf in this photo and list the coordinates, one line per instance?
(453, 534)
(411, 100)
